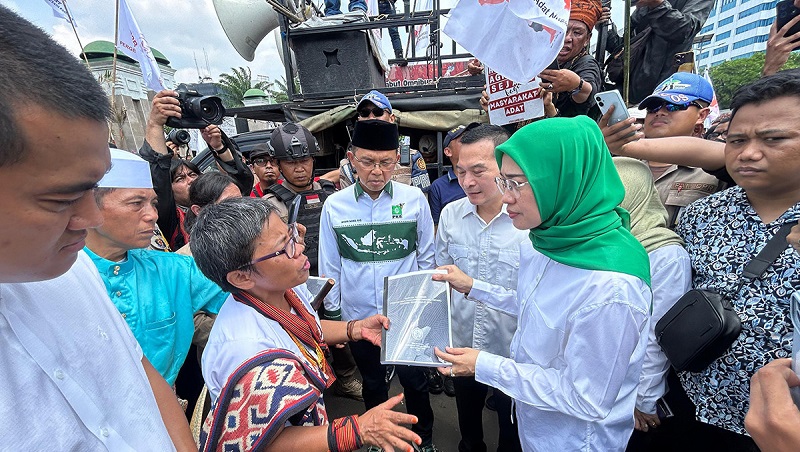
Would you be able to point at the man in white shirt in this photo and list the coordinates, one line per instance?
(477, 236)
(370, 230)
(73, 376)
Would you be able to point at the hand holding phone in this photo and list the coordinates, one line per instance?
(608, 98)
(785, 11)
(615, 135)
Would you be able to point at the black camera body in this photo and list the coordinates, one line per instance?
(179, 137)
(197, 111)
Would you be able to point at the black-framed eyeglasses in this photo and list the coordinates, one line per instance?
(375, 111)
(261, 162)
(290, 249)
(511, 185)
(672, 107)
(383, 164)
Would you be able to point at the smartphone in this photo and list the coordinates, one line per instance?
(784, 12)
(294, 209)
(405, 151)
(608, 98)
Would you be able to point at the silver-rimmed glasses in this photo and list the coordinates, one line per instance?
(511, 185)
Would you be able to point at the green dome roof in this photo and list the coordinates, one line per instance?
(254, 92)
(105, 49)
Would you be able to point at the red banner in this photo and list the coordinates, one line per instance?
(422, 73)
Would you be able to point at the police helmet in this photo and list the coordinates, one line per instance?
(292, 141)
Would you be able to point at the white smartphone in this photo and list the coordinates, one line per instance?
(608, 98)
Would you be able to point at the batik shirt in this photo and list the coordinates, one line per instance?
(723, 233)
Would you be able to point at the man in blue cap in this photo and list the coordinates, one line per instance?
(375, 105)
(678, 107)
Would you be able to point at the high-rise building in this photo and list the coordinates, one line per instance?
(734, 29)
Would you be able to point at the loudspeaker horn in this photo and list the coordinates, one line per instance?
(246, 22)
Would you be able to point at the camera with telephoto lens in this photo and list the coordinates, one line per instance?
(179, 137)
(197, 111)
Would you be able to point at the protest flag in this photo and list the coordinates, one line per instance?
(60, 10)
(131, 42)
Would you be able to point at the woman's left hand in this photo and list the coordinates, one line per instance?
(370, 329)
(463, 360)
(559, 81)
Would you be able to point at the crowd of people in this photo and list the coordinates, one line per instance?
(564, 242)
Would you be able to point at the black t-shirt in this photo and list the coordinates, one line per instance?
(588, 69)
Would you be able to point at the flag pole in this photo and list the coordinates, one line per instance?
(114, 58)
(626, 81)
(74, 30)
(114, 77)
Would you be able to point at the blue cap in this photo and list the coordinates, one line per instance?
(377, 98)
(680, 88)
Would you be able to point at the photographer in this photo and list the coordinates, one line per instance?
(172, 175)
(178, 141)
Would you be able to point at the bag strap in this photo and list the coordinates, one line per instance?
(756, 267)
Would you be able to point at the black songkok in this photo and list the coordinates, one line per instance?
(376, 135)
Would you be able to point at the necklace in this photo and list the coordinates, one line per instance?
(318, 360)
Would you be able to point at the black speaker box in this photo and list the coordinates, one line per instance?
(336, 61)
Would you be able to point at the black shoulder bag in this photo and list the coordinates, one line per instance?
(703, 324)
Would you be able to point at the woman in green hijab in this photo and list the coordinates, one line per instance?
(670, 275)
(583, 297)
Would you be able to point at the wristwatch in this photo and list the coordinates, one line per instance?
(578, 89)
(220, 152)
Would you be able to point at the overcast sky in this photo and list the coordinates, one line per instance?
(180, 29)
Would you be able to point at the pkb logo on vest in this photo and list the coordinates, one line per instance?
(397, 211)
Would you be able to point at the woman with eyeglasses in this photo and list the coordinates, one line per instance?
(583, 297)
(266, 363)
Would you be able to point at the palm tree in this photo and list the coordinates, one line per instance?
(279, 90)
(237, 83)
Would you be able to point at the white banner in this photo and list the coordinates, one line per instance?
(517, 38)
(511, 102)
(132, 43)
(60, 10)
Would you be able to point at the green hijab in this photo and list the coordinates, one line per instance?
(578, 192)
(648, 215)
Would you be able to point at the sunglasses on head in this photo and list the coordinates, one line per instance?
(672, 107)
(375, 111)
